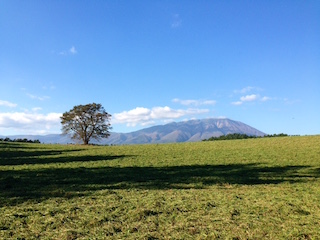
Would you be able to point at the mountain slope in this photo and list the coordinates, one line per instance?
(187, 131)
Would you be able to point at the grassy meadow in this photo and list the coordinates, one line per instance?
(266, 188)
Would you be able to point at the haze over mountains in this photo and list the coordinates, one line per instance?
(186, 131)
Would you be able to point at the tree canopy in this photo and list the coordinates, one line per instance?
(85, 122)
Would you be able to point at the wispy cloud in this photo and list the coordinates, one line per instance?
(49, 87)
(237, 103)
(71, 51)
(263, 99)
(35, 109)
(25, 122)
(244, 90)
(7, 104)
(194, 102)
(251, 98)
(176, 21)
(142, 116)
(291, 101)
(247, 90)
(41, 98)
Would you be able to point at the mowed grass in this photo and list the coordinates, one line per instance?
(265, 188)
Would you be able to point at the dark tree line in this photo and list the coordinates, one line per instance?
(22, 140)
(232, 136)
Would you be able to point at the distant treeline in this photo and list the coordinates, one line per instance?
(24, 140)
(241, 136)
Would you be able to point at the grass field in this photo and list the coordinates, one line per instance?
(266, 188)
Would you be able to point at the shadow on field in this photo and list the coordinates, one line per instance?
(22, 185)
(32, 155)
(37, 184)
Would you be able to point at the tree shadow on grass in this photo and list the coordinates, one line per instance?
(55, 157)
(37, 185)
(21, 154)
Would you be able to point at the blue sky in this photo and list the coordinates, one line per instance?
(153, 62)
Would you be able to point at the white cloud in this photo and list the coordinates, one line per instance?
(42, 98)
(176, 22)
(35, 109)
(132, 117)
(209, 102)
(249, 98)
(237, 103)
(148, 123)
(73, 50)
(167, 112)
(144, 116)
(244, 90)
(291, 101)
(247, 90)
(194, 102)
(265, 99)
(30, 122)
(7, 104)
(49, 87)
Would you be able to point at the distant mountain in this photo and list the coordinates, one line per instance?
(50, 138)
(187, 131)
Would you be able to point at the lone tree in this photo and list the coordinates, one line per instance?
(86, 121)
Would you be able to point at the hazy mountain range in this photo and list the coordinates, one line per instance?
(186, 131)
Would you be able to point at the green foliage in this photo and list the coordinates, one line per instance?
(86, 121)
(277, 135)
(233, 136)
(266, 188)
(24, 140)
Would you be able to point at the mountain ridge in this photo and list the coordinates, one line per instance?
(185, 131)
